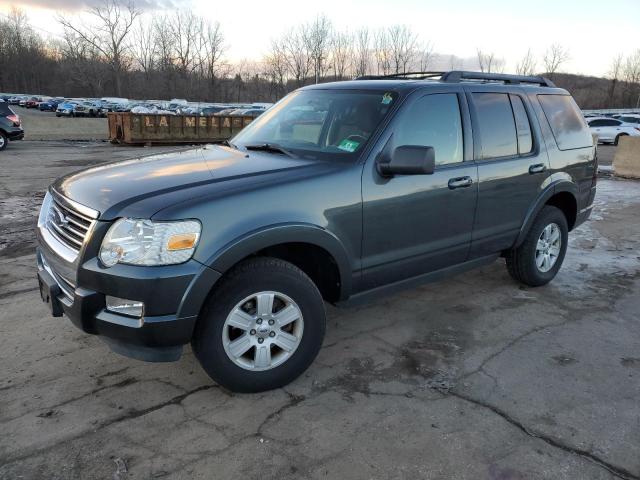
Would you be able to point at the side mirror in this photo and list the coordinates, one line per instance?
(408, 160)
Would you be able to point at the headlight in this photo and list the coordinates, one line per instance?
(44, 210)
(143, 242)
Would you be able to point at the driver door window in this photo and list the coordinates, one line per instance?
(433, 121)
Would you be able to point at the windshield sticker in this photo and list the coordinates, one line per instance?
(387, 99)
(349, 145)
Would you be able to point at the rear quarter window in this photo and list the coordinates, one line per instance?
(567, 123)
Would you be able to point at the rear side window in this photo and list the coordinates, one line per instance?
(496, 125)
(525, 140)
(566, 121)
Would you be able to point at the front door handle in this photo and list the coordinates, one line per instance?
(460, 182)
(537, 168)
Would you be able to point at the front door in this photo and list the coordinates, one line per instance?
(414, 224)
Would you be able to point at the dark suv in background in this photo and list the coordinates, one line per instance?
(340, 192)
(10, 128)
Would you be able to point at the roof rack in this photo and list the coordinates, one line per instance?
(407, 75)
(457, 76)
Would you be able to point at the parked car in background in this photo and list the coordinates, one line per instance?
(32, 102)
(65, 109)
(10, 127)
(49, 105)
(609, 130)
(93, 108)
(15, 100)
(211, 110)
(81, 109)
(252, 112)
(630, 118)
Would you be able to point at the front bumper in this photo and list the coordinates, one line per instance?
(172, 296)
(15, 134)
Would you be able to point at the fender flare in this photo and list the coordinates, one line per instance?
(549, 191)
(236, 250)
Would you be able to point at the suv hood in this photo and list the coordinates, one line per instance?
(115, 187)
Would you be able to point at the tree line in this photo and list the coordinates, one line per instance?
(116, 50)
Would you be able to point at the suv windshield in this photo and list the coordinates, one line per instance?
(320, 124)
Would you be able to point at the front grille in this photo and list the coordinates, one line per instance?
(67, 224)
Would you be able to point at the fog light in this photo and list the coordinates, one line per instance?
(131, 308)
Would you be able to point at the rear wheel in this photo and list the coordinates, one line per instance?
(615, 142)
(537, 260)
(3, 141)
(261, 328)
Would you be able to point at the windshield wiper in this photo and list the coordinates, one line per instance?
(270, 147)
(228, 144)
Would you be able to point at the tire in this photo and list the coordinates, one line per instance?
(214, 337)
(523, 261)
(4, 141)
(615, 142)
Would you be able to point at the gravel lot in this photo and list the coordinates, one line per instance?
(46, 126)
(471, 378)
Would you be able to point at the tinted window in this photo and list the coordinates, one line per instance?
(597, 123)
(630, 119)
(612, 123)
(433, 121)
(566, 121)
(523, 127)
(496, 125)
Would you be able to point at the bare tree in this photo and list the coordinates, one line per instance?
(184, 29)
(426, 57)
(631, 75)
(403, 44)
(382, 52)
(212, 52)
(614, 74)
(554, 57)
(488, 62)
(527, 65)
(341, 54)
(317, 36)
(277, 69)
(109, 34)
(296, 54)
(362, 53)
(144, 45)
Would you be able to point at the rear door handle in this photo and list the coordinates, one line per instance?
(460, 182)
(537, 168)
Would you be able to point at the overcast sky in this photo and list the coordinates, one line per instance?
(594, 31)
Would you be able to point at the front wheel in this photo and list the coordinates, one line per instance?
(537, 260)
(3, 141)
(261, 328)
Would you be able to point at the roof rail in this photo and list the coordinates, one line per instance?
(407, 75)
(456, 76)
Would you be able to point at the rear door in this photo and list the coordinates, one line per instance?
(414, 224)
(512, 165)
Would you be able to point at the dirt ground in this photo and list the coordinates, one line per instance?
(474, 377)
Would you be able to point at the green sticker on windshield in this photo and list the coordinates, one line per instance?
(387, 99)
(349, 145)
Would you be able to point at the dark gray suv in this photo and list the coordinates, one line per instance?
(338, 193)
